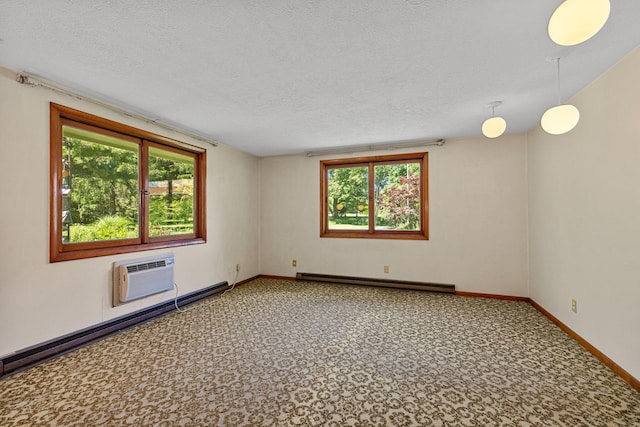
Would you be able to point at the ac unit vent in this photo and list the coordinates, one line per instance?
(138, 278)
(146, 266)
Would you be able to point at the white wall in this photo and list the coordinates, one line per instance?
(478, 234)
(584, 216)
(40, 301)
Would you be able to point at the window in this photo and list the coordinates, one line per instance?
(117, 189)
(382, 197)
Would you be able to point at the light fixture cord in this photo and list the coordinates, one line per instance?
(558, 78)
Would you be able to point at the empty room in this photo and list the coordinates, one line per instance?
(330, 213)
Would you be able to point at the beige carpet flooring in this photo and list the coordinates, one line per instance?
(282, 353)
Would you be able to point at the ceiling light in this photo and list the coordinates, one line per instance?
(576, 21)
(561, 118)
(494, 126)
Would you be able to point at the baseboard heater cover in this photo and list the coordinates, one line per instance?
(40, 352)
(398, 284)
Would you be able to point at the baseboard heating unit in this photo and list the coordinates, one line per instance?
(385, 283)
(40, 352)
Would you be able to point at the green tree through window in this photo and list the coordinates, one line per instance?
(170, 192)
(382, 197)
(119, 189)
(101, 182)
(397, 193)
(348, 197)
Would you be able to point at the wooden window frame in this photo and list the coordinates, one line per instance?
(58, 251)
(370, 162)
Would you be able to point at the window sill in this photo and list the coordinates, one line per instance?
(98, 252)
(409, 235)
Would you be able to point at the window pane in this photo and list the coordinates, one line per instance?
(171, 193)
(348, 195)
(397, 195)
(99, 187)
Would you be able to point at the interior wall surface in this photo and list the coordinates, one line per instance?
(40, 300)
(477, 221)
(584, 216)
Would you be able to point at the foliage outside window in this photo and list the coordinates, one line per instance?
(119, 189)
(375, 197)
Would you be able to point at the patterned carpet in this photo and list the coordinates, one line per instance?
(281, 353)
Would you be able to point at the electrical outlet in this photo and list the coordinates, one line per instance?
(294, 263)
(237, 267)
(386, 268)
(574, 306)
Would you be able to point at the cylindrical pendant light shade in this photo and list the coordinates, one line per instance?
(494, 127)
(560, 119)
(576, 21)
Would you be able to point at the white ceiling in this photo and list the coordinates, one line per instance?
(289, 76)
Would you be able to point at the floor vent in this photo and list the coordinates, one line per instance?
(385, 283)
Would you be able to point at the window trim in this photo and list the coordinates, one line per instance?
(64, 252)
(372, 233)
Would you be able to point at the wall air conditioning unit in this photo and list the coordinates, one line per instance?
(137, 278)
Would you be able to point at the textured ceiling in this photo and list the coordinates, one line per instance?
(288, 76)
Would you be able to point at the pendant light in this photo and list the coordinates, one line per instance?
(576, 21)
(561, 118)
(494, 126)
